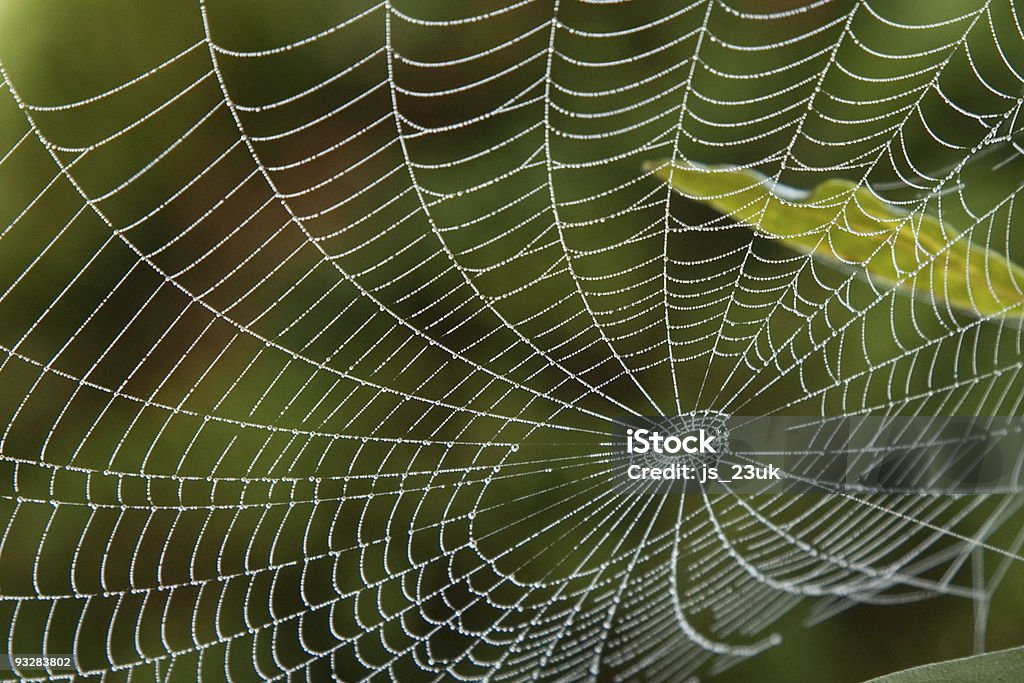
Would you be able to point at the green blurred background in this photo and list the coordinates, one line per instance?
(179, 348)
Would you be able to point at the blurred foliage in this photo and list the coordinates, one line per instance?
(179, 350)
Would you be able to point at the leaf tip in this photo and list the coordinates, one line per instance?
(652, 165)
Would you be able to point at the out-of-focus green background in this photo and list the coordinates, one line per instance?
(213, 298)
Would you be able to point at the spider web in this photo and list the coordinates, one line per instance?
(318, 334)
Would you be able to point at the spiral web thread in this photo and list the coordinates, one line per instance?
(321, 375)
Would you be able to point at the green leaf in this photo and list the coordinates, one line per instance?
(846, 224)
(1004, 665)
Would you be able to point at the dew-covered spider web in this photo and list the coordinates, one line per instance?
(319, 321)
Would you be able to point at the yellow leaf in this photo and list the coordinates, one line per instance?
(843, 223)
